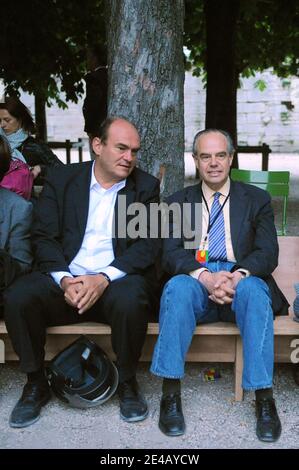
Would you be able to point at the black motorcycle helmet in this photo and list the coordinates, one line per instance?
(82, 375)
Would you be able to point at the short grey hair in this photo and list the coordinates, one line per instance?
(229, 140)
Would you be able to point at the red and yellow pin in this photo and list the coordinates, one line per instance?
(202, 256)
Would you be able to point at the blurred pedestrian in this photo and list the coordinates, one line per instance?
(17, 125)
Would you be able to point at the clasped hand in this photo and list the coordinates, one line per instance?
(221, 285)
(82, 292)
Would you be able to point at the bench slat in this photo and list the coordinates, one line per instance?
(283, 325)
(214, 342)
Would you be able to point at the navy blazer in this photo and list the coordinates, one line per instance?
(61, 216)
(253, 235)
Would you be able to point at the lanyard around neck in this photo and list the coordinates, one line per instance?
(210, 225)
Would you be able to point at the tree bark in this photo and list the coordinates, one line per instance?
(222, 76)
(146, 80)
(40, 117)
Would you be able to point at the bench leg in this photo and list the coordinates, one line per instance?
(238, 369)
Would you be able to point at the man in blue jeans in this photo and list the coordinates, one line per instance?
(227, 278)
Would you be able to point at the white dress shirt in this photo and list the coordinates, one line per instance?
(96, 252)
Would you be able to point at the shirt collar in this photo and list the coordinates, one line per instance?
(94, 184)
(209, 193)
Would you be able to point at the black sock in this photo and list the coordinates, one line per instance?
(171, 386)
(263, 393)
(37, 376)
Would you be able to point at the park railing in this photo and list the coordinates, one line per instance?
(68, 146)
(264, 149)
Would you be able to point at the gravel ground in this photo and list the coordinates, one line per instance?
(213, 419)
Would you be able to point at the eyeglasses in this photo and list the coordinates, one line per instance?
(206, 158)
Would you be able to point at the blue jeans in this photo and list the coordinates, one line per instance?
(185, 303)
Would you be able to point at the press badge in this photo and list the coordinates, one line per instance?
(202, 254)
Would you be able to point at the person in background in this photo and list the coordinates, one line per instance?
(15, 224)
(95, 103)
(17, 125)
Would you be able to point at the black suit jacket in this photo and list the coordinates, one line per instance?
(253, 234)
(61, 216)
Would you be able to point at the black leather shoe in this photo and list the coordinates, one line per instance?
(27, 410)
(133, 406)
(268, 426)
(171, 421)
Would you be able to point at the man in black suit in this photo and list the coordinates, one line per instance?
(226, 277)
(84, 271)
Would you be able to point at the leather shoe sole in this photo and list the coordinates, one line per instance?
(23, 423)
(16, 424)
(172, 432)
(134, 418)
(265, 437)
(133, 410)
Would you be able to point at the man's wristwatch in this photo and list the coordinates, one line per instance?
(106, 277)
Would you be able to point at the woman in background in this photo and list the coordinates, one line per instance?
(17, 125)
(15, 223)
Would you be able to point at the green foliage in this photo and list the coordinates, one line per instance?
(195, 36)
(43, 45)
(286, 83)
(267, 36)
(260, 85)
(284, 117)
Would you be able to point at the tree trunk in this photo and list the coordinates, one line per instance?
(146, 80)
(40, 117)
(222, 77)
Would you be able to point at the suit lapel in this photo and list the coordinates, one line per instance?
(129, 192)
(81, 197)
(193, 196)
(238, 210)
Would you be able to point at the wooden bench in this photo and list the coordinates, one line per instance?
(215, 342)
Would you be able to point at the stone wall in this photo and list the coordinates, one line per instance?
(270, 116)
(61, 124)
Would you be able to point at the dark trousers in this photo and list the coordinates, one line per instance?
(34, 302)
(9, 270)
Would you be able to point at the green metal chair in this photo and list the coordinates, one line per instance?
(275, 182)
